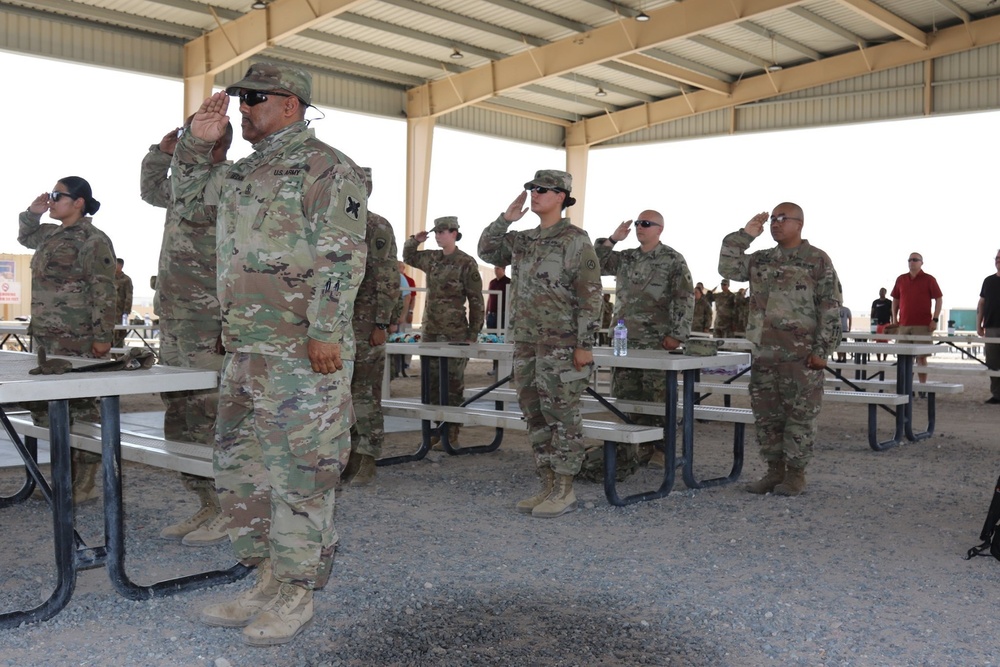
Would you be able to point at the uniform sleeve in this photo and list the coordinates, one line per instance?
(128, 297)
(154, 182)
(681, 308)
(97, 257)
(734, 262)
(335, 208)
(192, 175)
(387, 291)
(829, 296)
(608, 258)
(495, 244)
(587, 285)
(474, 294)
(415, 258)
(30, 230)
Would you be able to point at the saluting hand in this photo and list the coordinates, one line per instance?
(756, 225)
(622, 232)
(40, 205)
(169, 141)
(420, 237)
(209, 122)
(516, 210)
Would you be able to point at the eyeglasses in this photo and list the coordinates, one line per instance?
(647, 223)
(56, 196)
(780, 219)
(540, 190)
(914, 259)
(252, 98)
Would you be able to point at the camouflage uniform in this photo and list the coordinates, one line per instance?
(185, 300)
(555, 306)
(702, 315)
(451, 281)
(654, 295)
(72, 295)
(725, 314)
(795, 298)
(378, 296)
(742, 311)
(291, 256)
(123, 303)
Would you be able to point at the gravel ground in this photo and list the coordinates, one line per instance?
(435, 567)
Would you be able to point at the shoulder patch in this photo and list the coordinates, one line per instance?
(380, 243)
(591, 264)
(352, 207)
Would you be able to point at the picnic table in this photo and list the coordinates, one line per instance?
(18, 331)
(71, 553)
(670, 363)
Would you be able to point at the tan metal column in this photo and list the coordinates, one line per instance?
(419, 140)
(576, 164)
(196, 89)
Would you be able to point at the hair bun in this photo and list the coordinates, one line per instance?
(93, 206)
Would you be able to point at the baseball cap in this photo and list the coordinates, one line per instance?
(265, 76)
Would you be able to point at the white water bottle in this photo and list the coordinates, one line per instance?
(620, 339)
(124, 319)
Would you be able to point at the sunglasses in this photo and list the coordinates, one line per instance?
(647, 223)
(540, 190)
(252, 98)
(778, 219)
(56, 196)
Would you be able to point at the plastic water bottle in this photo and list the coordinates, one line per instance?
(621, 339)
(124, 319)
(874, 327)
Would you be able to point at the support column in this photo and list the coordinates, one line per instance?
(196, 90)
(576, 164)
(419, 140)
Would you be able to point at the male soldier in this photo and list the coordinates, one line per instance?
(190, 324)
(452, 279)
(725, 311)
(702, 311)
(653, 296)
(291, 225)
(378, 296)
(988, 325)
(912, 296)
(741, 311)
(794, 325)
(123, 299)
(554, 311)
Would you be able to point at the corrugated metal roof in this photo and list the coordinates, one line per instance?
(402, 44)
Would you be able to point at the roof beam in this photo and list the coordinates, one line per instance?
(107, 18)
(200, 8)
(828, 25)
(674, 21)
(467, 21)
(888, 20)
(677, 73)
(255, 31)
(952, 7)
(877, 58)
(721, 47)
(761, 31)
(541, 15)
(615, 8)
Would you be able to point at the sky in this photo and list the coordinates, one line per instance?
(872, 193)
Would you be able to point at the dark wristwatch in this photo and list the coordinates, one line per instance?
(383, 327)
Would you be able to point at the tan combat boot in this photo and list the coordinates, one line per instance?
(366, 471)
(794, 482)
(206, 513)
(239, 612)
(548, 477)
(657, 459)
(282, 619)
(561, 500)
(84, 482)
(213, 532)
(775, 474)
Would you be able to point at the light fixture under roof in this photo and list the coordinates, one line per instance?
(774, 68)
(259, 4)
(600, 92)
(642, 17)
(456, 54)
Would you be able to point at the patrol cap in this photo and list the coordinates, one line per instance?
(368, 179)
(267, 77)
(446, 223)
(725, 281)
(554, 179)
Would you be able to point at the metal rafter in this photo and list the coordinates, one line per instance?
(110, 17)
(947, 41)
(828, 25)
(761, 31)
(888, 20)
(721, 47)
(541, 14)
(952, 7)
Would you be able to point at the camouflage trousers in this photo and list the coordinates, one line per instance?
(282, 440)
(786, 398)
(637, 384)
(368, 432)
(456, 373)
(548, 391)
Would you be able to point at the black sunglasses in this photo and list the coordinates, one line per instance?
(647, 223)
(252, 98)
(540, 190)
(56, 196)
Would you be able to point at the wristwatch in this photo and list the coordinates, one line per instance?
(934, 319)
(383, 327)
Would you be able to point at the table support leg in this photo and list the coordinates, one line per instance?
(687, 471)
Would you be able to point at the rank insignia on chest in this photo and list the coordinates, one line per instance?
(353, 207)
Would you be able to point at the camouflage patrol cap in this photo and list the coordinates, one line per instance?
(267, 77)
(445, 223)
(368, 179)
(551, 178)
